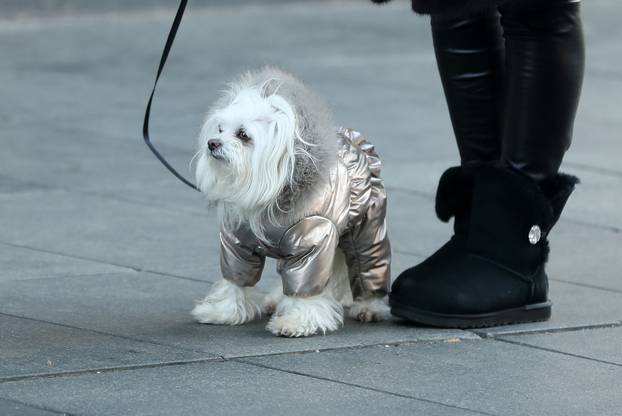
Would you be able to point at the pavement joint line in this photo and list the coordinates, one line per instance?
(367, 388)
(57, 276)
(215, 358)
(218, 358)
(34, 406)
(202, 214)
(34, 186)
(604, 73)
(94, 260)
(409, 253)
(140, 9)
(102, 370)
(410, 191)
(110, 195)
(491, 335)
(609, 228)
(357, 347)
(571, 220)
(594, 169)
(586, 285)
(109, 334)
(551, 350)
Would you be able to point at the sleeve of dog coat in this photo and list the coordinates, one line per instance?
(238, 263)
(368, 250)
(308, 249)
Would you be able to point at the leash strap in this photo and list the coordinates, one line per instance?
(165, 52)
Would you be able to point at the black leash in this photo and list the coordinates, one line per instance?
(165, 52)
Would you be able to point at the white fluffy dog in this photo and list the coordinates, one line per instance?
(293, 187)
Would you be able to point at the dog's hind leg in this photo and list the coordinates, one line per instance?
(339, 283)
(368, 253)
(370, 310)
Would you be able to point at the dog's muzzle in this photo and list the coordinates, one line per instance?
(214, 146)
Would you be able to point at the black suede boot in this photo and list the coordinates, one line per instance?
(492, 270)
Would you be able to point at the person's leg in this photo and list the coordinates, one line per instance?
(470, 59)
(544, 73)
(492, 271)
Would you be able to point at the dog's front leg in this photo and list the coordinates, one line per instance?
(308, 307)
(229, 304)
(303, 316)
(234, 300)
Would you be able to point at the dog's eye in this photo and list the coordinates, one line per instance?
(242, 135)
(219, 128)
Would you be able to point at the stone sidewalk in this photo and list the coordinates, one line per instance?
(102, 252)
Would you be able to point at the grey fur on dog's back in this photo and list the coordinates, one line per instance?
(317, 150)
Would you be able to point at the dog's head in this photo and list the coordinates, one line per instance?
(266, 135)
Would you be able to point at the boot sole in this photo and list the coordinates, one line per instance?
(536, 312)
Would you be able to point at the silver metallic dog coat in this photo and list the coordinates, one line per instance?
(349, 215)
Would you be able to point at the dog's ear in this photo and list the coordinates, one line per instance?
(270, 87)
(279, 152)
(283, 119)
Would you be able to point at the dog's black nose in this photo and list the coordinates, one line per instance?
(213, 144)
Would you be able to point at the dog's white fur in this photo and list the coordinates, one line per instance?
(289, 151)
(229, 304)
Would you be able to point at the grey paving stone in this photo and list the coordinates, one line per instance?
(594, 143)
(156, 308)
(489, 376)
(99, 164)
(573, 306)
(132, 302)
(22, 263)
(32, 347)
(596, 199)
(227, 388)
(599, 343)
(585, 255)
(12, 408)
(112, 231)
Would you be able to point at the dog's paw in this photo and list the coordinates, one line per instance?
(301, 317)
(283, 326)
(229, 304)
(369, 310)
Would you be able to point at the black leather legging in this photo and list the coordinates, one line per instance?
(512, 79)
